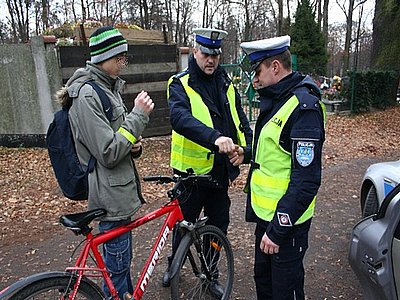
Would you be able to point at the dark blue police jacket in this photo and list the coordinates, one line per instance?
(305, 123)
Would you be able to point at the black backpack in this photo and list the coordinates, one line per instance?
(71, 178)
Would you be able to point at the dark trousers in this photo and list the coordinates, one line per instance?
(280, 276)
(216, 204)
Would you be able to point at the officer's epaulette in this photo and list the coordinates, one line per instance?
(181, 74)
(307, 99)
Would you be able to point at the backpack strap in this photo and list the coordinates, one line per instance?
(107, 108)
(105, 101)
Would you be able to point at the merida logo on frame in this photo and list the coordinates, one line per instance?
(155, 258)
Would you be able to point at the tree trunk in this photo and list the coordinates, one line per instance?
(178, 8)
(325, 21)
(347, 44)
(319, 12)
(146, 14)
(45, 14)
(280, 17)
(205, 13)
(356, 51)
(83, 11)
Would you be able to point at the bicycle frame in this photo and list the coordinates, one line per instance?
(93, 241)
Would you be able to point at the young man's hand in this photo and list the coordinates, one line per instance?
(136, 146)
(144, 102)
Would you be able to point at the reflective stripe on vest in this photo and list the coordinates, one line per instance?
(270, 181)
(187, 154)
(235, 116)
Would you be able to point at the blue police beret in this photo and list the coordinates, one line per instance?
(262, 49)
(209, 40)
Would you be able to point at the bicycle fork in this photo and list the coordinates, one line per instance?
(199, 246)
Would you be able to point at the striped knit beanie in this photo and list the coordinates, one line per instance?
(105, 43)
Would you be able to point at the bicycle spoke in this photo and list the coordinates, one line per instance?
(213, 265)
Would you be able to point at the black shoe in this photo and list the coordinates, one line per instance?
(166, 279)
(216, 290)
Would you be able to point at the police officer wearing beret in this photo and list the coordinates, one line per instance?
(285, 172)
(211, 133)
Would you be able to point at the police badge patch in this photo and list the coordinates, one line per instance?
(305, 153)
(284, 219)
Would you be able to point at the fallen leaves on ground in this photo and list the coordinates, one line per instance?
(29, 191)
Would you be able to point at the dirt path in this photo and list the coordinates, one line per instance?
(32, 240)
(328, 275)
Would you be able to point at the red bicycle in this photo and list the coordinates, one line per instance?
(204, 255)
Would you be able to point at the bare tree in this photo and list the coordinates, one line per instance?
(335, 48)
(184, 22)
(212, 11)
(349, 26)
(255, 14)
(19, 19)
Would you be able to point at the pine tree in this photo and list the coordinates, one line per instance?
(308, 41)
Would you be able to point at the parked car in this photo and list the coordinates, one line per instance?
(378, 181)
(374, 252)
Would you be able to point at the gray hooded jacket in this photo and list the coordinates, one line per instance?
(114, 183)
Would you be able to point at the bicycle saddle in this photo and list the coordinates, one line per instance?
(79, 222)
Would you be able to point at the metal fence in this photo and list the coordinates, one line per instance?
(241, 76)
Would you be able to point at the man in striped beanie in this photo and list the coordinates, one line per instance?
(105, 43)
(113, 141)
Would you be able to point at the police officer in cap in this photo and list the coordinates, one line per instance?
(285, 172)
(211, 134)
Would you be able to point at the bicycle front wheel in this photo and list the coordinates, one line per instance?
(207, 274)
(58, 288)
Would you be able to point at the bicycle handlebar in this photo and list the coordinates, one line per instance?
(160, 178)
(191, 178)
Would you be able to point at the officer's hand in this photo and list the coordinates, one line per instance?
(136, 146)
(225, 144)
(267, 246)
(237, 156)
(144, 102)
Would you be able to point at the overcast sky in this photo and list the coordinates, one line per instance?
(336, 15)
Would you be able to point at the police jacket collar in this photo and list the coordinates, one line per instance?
(197, 78)
(282, 89)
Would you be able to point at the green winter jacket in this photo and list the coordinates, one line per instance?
(114, 183)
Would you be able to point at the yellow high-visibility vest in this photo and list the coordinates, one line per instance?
(270, 181)
(188, 154)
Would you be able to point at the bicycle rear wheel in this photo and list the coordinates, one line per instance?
(191, 280)
(58, 288)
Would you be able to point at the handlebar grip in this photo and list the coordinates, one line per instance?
(152, 178)
(159, 178)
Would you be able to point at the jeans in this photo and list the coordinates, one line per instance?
(117, 254)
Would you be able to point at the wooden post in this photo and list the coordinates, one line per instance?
(183, 58)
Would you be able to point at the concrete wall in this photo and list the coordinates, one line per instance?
(29, 76)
